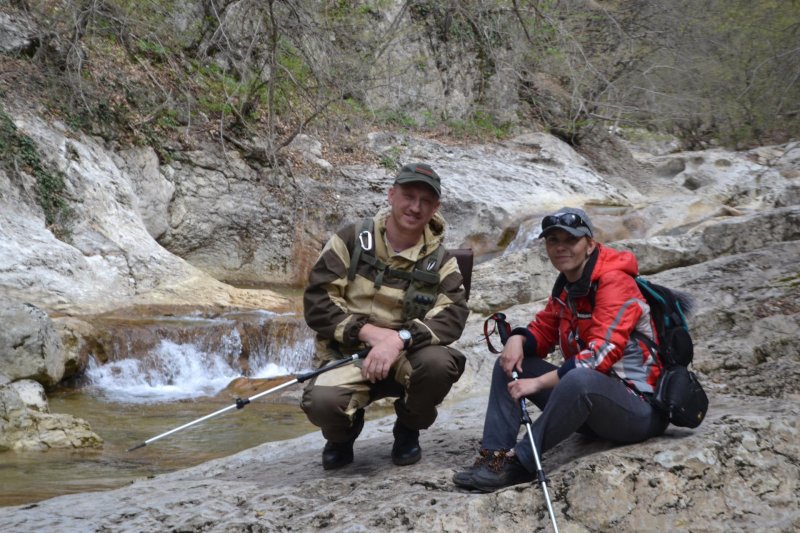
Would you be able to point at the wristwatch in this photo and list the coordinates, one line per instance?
(405, 336)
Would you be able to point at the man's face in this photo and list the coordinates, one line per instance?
(413, 206)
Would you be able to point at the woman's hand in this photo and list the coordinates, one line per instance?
(524, 387)
(511, 358)
(530, 386)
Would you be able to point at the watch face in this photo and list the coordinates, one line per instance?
(405, 336)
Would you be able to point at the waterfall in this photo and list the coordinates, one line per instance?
(168, 358)
(527, 235)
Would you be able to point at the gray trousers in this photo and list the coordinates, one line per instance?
(584, 401)
(420, 380)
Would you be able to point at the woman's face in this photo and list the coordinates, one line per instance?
(568, 253)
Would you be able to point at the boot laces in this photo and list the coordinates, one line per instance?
(495, 460)
(502, 458)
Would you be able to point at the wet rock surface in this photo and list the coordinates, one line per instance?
(739, 471)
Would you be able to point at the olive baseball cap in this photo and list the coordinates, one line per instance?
(422, 173)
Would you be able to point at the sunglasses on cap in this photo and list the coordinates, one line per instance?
(570, 220)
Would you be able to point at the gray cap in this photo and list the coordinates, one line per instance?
(422, 173)
(571, 219)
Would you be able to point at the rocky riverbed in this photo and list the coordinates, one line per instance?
(738, 471)
(724, 226)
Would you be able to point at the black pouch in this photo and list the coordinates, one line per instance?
(677, 348)
(680, 394)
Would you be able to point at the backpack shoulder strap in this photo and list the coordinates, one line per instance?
(464, 257)
(364, 241)
(432, 262)
(650, 298)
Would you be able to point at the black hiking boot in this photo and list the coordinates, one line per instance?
(501, 473)
(406, 450)
(338, 454)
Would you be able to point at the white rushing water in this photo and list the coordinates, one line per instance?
(175, 370)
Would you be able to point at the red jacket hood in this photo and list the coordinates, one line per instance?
(602, 261)
(609, 259)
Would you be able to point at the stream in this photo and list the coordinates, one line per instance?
(154, 373)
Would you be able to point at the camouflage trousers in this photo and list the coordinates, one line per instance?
(420, 380)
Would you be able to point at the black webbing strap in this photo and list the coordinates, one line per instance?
(355, 257)
(500, 326)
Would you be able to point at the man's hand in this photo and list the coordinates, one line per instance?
(386, 346)
(511, 358)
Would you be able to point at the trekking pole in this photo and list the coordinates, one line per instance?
(526, 419)
(240, 403)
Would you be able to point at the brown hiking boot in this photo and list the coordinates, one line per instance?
(463, 478)
(504, 470)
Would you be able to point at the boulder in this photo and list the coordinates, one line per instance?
(27, 425)
(30, 348)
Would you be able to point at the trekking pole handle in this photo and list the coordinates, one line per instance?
(526, 418)
(502, 328)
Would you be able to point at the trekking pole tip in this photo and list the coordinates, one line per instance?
(140, 445)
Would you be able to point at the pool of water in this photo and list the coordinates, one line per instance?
(32, 476)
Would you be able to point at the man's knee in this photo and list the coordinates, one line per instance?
(326, 406)
(437, 364)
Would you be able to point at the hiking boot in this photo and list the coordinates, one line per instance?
(498, 474)
(463, 478)
(338, 454)
(406, 450)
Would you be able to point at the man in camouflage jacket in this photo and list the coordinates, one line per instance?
(367, 307)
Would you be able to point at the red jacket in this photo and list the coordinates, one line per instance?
(591, 320)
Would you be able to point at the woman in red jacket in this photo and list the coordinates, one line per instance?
(600, 389)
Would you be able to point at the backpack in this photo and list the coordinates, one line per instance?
(424, 278)
(678, 391)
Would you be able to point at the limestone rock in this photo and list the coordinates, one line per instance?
(26, 424)
(30, 348)
(17, 34)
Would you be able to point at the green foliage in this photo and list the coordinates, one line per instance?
(99, 117)
(480, 125)
(19, 153)
(390, 160)
(143, 71)
(294, 73)
(152, 49)
(346, 10)
(392, 117)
